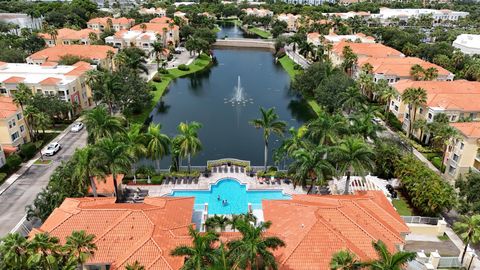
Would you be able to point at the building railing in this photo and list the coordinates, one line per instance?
(420, 220)
(449, 262)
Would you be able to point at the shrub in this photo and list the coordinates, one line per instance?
(162, 70)
(204, 56)
(157, 78)
(297, 67)
(28, 150)
(393, 121)
(281, 53)
(13, 161)
(272, 169)
(3, 176)
(437, 162)
(183, 67)
(280, 175)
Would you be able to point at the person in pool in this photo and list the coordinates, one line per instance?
(218, 198)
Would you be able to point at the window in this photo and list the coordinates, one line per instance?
(462, 145)
(420, 111)
(430, 116)
(407, 116)
(11, 123)
(15, 136)
(453, 118)
(19, 116)
(396, 108)
(22, 128)
(455, 157)
(392, 103)
(3, 91)
(451, 170)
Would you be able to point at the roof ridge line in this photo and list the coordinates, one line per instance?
(139, 244)
(114, 224)
(356, 224)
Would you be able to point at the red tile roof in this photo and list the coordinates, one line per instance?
(155, 27)
(163, 20)
(70, 34)
(14, 79)
(399, 66)
(367, 49)
(7, 107)
(315, 227)
(103, 21)
(105, 186)
(50, 81)
(468, 129)
(54, 54)
(144, 232)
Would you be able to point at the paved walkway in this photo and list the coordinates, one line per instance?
(296, 57)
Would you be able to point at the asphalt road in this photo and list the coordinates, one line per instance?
(23, 191)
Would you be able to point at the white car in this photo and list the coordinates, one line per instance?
(52, 149)
(77, 127)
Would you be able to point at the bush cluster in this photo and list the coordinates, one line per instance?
(157, 78)
(183, 67)
(162, 71)
(280, 53)
(28, 151)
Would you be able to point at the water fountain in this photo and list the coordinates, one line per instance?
(239, 97)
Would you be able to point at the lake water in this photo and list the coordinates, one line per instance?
(205, 97)
(230, 30)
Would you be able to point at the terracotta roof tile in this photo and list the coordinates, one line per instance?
(399, 66)
(155, 27)
(70, 34)
(50, 81)
(162, 20)
(468, 129)
(7, 107)
(367, 49)
(14, 79)
(103, 21)
(54, 54)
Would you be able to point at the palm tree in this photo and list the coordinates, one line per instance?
(253, 250)
(217, 221)
(135, 140)
(350, 98)
(389, 261)
(414, 97)
(422, 125)
(21, 97)
(353, 155)
(116, 156)
(14, 249)
(311, 164)
(143, 27)
(100, 124)
(199, 255)
(295, 141)
(430, 74)
(157, 52)
(85, 168)
(44, 250)
(135, 266)
(157, 143)
(468, 229)
(349, 59)
(81, 246)
(444, 135)
(271, 125)
(42, 121)
(188, 142)
(345, 260)
(326, 128)
(417, 72)
(221, 259)
(385, 92)
(106, 86)
(110, 56)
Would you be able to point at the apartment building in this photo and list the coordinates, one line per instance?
(160, 12)
(66, 82)
(67, 36)
(99, 54)
(22, 20)
(387, 14)
(467, 43)
(464, 154)
(13, 130)
(144, 35)
(309, 2)
(457, 99)
(394, 69)
(362, 50)
(317, 39)
(106, 23)
(257, 12)
(291, 20)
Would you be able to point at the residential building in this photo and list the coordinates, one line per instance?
(362, 50)
(316, 38)
(67, 36)
(99, 54)
(160, 12)
(467, 43)
(387, 14)
(257, 12)
(312, 227)
(464, 154)
(144, 232)
(309, 2)
(162, 20)
(22, 20)
(347, 15)
(66, 82)
(291, 20)
(13, 130)
(395, 69)
(458, 99)
(105, 23)
(144, 35)
(181, 15)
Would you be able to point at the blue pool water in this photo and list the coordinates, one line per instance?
(235, 193)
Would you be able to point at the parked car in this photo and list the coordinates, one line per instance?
(52, 149)
(77, 127)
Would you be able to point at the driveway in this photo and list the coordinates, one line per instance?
(23, 191)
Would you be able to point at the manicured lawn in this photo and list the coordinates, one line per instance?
(402, 206)
(43, 162)
(260, 32)
(197, 65)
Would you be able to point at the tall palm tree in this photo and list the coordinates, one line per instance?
(81, 246)
(468, 229)
(422, 125)
(100, 124)
(326, 128)
(158, 144)
(389, 261)
(85, 168)
(105, 86)
(188, 142)
(311, 164)
(14, 250)
(430, 74)
(199, 255)
(271, 125)
(417, 72)
(345, 260)
(350, 98)
(116, 156)
(385, 92)
(221, 261)
(295, 141)
(22, 97)
(43, 251)
(217, 221)
(349, 59)
(353, 155)
(253, 250)
(135, 140)
(157, 52)
(414, 97)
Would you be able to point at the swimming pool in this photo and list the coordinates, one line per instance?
(236, 195)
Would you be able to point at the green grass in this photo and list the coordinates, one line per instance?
(197, 65)
(443, 237)
(402, 206)
(260, 32)
(43, 162)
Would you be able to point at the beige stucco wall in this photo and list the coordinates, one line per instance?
(6, 131)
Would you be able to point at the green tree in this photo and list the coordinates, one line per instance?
(253, 250)
(388, 261)
(414, 97)
(444, 135)
(22, 97)
(105, 87)
(217, 221)
(100, 124)
(188, 141)
(349, 59)
(81, 246)
(157, 52)
(135, 266)
(326, 129)
(311, 164)
(200, 254)
(14, 250)
(353, 155)
(468, 229)
(43, 251)
(135, 140)
(345, 260)
(158, 144)
(350, 99)
(271, 125)
(469, 193)
(385, 93)
(85, 168)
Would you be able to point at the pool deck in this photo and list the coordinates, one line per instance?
(205, 183)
